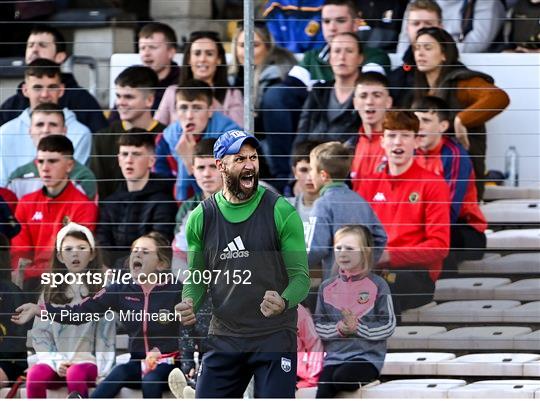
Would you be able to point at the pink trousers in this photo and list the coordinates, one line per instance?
(41, 377)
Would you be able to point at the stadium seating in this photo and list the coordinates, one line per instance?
(413, 337)
(525, 211)
(485, 311)
(468, 288)
(486, 365)
(497, 192)
(526, 313)
(496, 389)
(528, 342)
(514, 263)
(477, 338)
(524, 239)
(522, 290)
(412, 388)
(414, 363)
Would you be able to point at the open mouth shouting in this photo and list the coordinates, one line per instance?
(136, 266)
(247, 180)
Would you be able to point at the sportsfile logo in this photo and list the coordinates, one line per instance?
(234, 250)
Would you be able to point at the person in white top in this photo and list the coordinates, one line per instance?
(42, 84)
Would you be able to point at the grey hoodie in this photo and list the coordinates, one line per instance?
(339, 206)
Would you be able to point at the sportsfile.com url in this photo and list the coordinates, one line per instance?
(206, 277)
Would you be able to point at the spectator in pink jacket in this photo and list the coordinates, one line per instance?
(204, 59)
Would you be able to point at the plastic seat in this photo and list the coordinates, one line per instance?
(122, 341)
(479, 266)
(414, 363)
(467, 288)
(526, 313)
(308, 392)
(134, 393)
(413, 337)
(467, 311)
(5, 390)
(494, 192)
(497, 389)
(412, 388)
(512, 211)
(531, 369)
(179, 9)
(411, 315)
(514, 239)
(93, 17)
(528, 342)
(123, 358)
(514, 263)
(500, 364)
(522, 290)
(12, 67)
(478, 338)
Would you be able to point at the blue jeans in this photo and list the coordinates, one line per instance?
(153, 384)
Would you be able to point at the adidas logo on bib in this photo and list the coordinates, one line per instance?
(234, 250)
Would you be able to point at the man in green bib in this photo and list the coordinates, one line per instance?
(246, 247)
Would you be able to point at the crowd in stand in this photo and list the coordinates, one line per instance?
(385, 168)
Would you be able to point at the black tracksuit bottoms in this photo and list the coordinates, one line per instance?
(231, 362)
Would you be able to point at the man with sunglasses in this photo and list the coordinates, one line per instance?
(338, 16)
(42, 84)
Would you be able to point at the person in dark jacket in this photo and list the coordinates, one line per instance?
(473, 95)
(135, 91)
(141, 204)
(144, 304)
(421, 14)
(46, 42)
(9, 225)
(12, 337)
(329, 113)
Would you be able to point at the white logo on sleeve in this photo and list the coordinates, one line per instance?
(234, 250)
(379, 197)
(286, 364)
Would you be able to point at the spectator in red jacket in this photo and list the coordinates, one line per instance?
(43, 212)
(371, 100)
(413, 205)
(447, 158)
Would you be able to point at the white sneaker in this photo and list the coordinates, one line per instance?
(189, 393)
(177, 382)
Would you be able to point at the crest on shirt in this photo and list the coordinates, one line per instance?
(66, 220)
(286, 365)
(363, 297)
(312, 28)
(413, 197)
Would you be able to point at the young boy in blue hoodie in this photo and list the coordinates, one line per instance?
(336, 207)
(196, 121)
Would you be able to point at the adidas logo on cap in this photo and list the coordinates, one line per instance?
(234, 250)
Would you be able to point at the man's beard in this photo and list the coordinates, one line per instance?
(234, 186)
